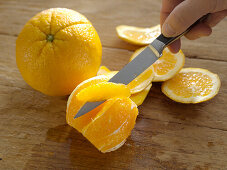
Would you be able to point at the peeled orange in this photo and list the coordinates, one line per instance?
(56, 50)
(192, 85)
(107, 126)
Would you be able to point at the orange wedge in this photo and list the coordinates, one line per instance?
(73, 104)
(192, 85)
(137, 35)
(107, 126)
(167, 66)
(138, 98)
(138, 84)
(113, 124)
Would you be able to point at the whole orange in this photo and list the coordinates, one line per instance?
(56, 50)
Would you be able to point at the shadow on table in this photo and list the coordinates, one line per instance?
(64, 147)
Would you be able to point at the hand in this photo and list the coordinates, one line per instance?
(177, 15)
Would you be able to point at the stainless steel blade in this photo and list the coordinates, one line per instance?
(133, 69)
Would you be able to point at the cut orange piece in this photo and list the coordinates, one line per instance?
(108, 125)
(113, 124)
(138, 98)
(167, 66)
(73, 104)
(138, 84)
(103, 91)
(137, 35)
(192, 85)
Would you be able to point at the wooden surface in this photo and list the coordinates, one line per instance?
(167, 135)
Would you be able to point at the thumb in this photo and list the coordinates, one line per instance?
(186, 13)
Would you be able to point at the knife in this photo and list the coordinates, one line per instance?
(139, 64)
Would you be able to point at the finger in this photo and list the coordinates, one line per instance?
(199, 30)
(186, 13)
(214, 18)
(167, 8)
(217, 5)
(204, 29)
(175, 46)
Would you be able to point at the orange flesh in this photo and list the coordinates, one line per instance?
(102, 91)
(138, 98)
(108, 125)
(140, 35)
(191, 84)
(166, 63)
(75, 105)
(113, 126)
(142, 80)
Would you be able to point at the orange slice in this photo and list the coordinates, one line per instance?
(138, 84)
(192, 85)
(137, 35)
(107, 126)
(167, 66)
(138, 98)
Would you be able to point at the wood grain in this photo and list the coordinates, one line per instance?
(167, 135)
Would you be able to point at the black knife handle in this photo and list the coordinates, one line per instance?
(169, 40)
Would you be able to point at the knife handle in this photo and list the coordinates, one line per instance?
(169, 40)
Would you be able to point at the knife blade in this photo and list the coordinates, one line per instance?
(139, 64)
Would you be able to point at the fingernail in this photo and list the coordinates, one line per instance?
(168, 30)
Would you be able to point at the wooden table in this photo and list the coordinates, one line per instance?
(167, 135)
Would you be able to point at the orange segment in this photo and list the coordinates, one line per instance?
(138, 98)
(102, 91)
(167, 66)
(118, 120)
(73, 104)
(137, 35)
(138, 84)
(192, 85)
